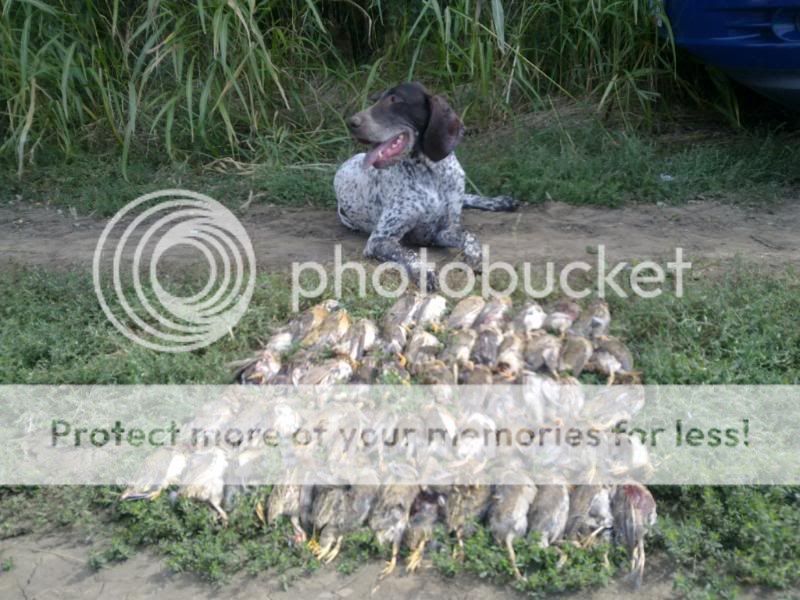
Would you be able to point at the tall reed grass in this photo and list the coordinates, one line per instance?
(269, 80)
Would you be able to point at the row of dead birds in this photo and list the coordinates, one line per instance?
(478, 342)
(406, 515)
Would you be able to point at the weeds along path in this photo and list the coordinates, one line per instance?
(709, 232)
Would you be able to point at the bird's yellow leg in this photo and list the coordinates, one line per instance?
(322, 551)
(415, 558)
(512, 556)
(260, 515)
(333, 552)
(562, 557)
(611, 377)
(313, 544)
(402, 360)
(391, 563)
(223, 516)
(458, 551)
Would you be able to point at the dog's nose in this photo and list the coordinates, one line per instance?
(354, 122)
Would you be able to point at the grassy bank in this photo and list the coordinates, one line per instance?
(270, 81)
(738, 328)
(559, 154)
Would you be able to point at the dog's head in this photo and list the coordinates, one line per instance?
(403, 120)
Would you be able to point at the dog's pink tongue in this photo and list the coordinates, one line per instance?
(377, 153)
(385, 151)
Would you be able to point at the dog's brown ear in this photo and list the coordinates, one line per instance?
(444, 130)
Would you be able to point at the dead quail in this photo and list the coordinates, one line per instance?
(529, 319)
(476, 375)
(424, 514)
(160, 470)
(293, 501)
(575, 354)
(329, 372)
(548, 513)
(259, 370)
(390, 516)
(509, 362)
(543, 350)
(333, 329)
(360, 338)
(422, 348)
(561, 318)
(484, 352)
(459, 347)
(465, 505)
(436, 372)
(466, 312)
(599, 318)
(337, 511)
(611, 358)
(431, 311)
(590, 514)
(205, 479)
(398, 321)
(634, 510)
(310, 320)
(508, 517)
(494, 313)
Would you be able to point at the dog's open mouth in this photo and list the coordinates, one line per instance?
(383, 154)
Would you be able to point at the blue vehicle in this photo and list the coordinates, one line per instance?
(755, 42)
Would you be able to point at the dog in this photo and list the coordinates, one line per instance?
(409, 186)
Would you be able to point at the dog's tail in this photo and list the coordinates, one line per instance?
(496, 204)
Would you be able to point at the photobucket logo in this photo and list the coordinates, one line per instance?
(645, 279)
(139, 236)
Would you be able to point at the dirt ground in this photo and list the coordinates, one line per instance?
(707, 231)
(55, 567)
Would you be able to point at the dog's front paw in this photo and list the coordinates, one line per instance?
(505, 203)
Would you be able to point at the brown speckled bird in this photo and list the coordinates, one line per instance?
(543, 350)
(160, 470)
(390, 516)
(509, 363)
(359, 340)
(431, 311)
(205, 479)
(466, 312)
(590, 514)
(459, 347)
(424, 514)
(634, 510)
(494, 313)
(508, 517)
(575, 354)
(466, 506)
(529, 319)
(611, 358)
(337, 511)
(548, 513)
(484, 352)
(293, 501)
(260, 369)
(561, 318)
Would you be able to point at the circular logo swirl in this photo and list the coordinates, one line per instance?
(139, 235)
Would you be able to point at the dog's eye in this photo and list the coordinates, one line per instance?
(393, 99)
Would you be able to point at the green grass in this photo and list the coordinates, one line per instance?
(254, 79)
(580, 162)
(736, 328)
